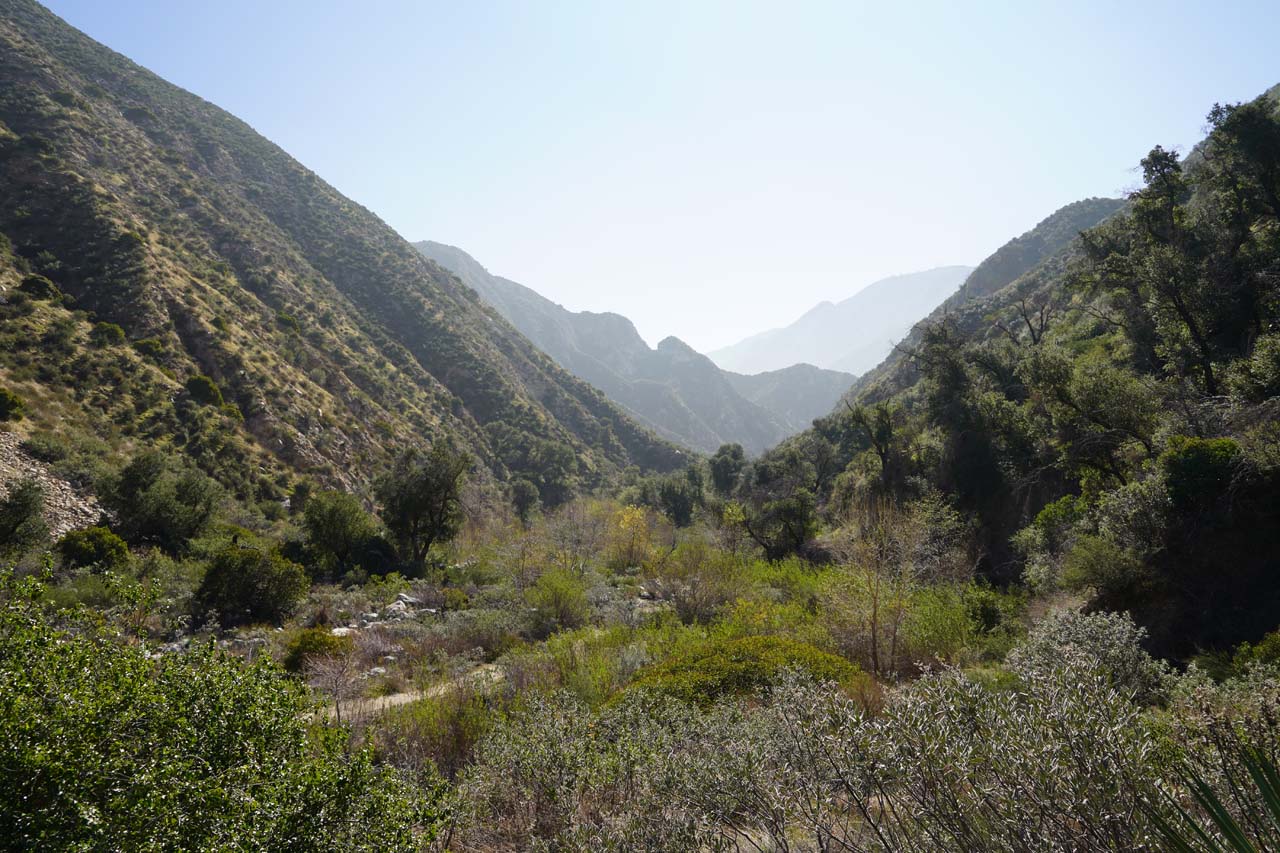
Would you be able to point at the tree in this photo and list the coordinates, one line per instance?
(336, 526)
(246, 585)
(22, 524)
(161, 500)
(677, 499)
(726, 468)
(525, 499)
(421, 499)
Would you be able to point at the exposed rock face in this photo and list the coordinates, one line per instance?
(65, 506)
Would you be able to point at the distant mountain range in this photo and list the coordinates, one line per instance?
(853, 335)
(678, 392)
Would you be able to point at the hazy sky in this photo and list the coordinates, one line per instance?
(708, 169)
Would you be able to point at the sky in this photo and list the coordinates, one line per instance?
(708, 169)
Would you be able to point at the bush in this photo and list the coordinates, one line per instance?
(442, 729)
(1198, 470)
(1116, 574)
(1265, 652)
(203, 390)
(739, 666)
(106, 335)
(312, 643)
(109, 748)
(559, 601)
(149, 347)
(39, 287)
(12, 407)
(47, 447)
(245, 585)
(338, 529)
(1107, 642)
(95, 547)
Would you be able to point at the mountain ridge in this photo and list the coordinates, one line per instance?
(672, 388)
(850, 335)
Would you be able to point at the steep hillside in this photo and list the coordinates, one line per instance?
(1051, 243)
(852, 335)
(330, 339)
(798, 393)
(681, 394)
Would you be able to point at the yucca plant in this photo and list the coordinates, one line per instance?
(1218, 830)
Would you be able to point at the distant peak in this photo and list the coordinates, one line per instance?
(673, 344)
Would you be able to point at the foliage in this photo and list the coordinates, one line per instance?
(310, 643)
(12, 407)
(106, 335)
(22, 524)
(740, 666)
(204, 390)
(107, 748)
(1108, 642)
(337, 527)
(559, 601)
(93, 547)
(421, 499)
(244, 584)
(726, 466)
(162, 501)
(39, 287)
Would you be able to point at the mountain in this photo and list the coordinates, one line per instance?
(679, 393)
(852, 335)
(798, 394)
(1050, 244)
(180, 244)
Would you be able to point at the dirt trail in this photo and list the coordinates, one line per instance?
(359, 710)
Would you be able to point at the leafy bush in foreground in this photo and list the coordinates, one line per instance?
(106, 749)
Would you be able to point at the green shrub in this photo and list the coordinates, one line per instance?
(106, 335)
(1265, 652)
(1198, 470)
(149, 347)
(314, 643)
(204, 391)
(92, 546)
(443, 729)
(22, 524)
(559, 601)
(109, 748)
(245, 585)
(741, 666)
(46, 446)
(339, 531)
(12, 407)
(39, 287)
(1106, 567)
